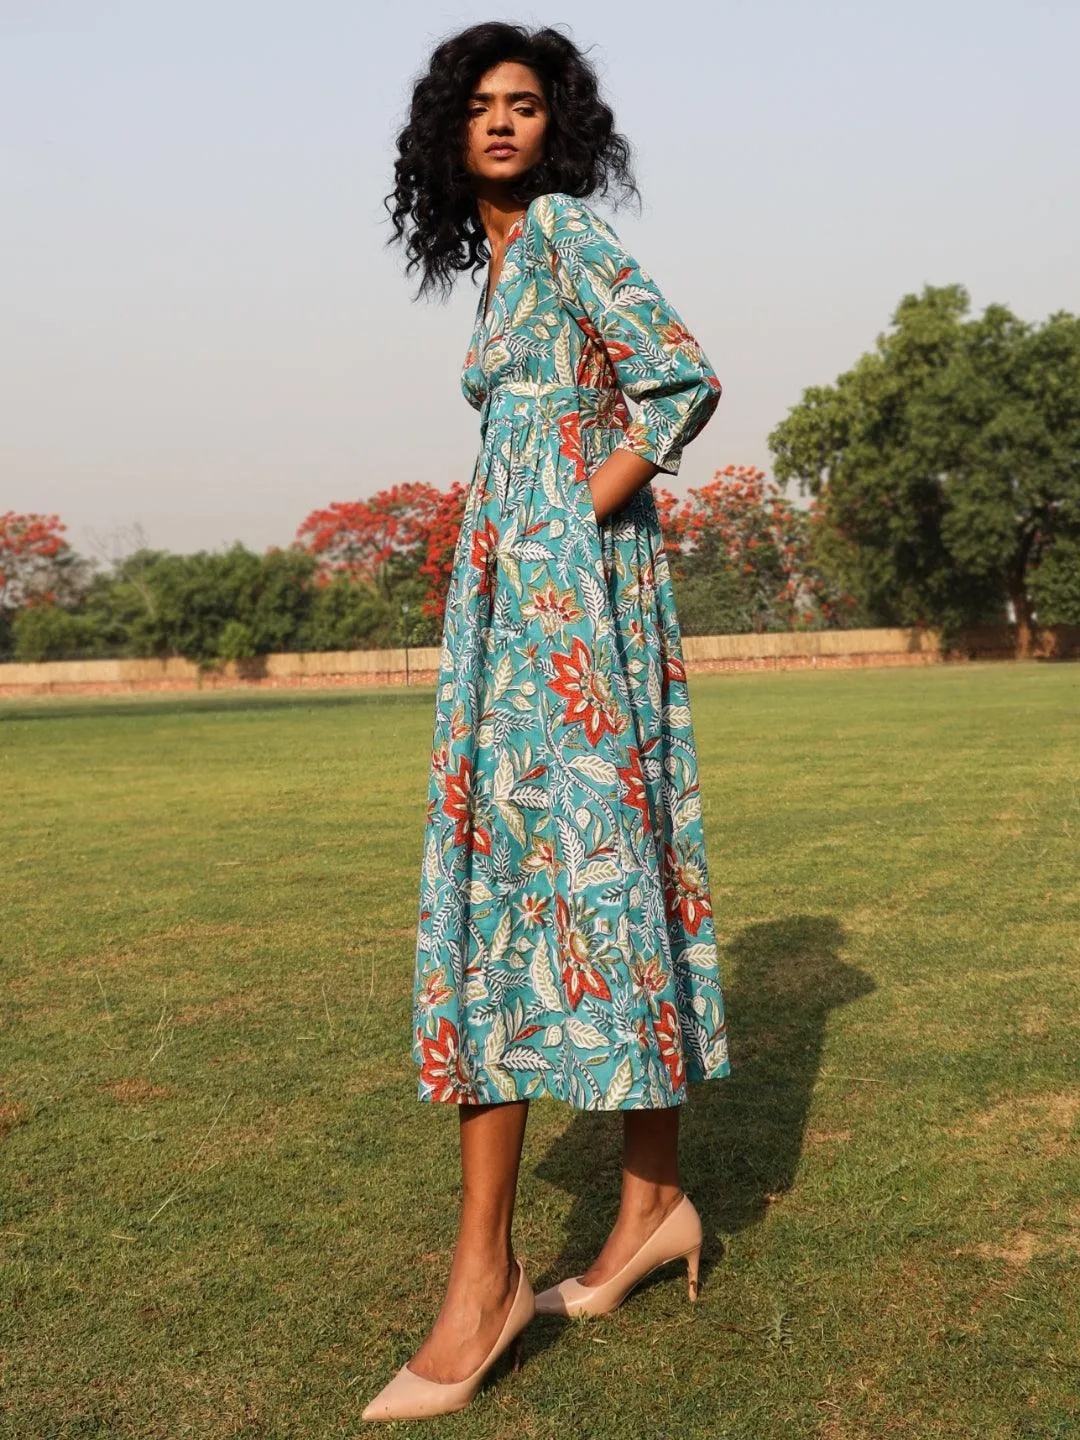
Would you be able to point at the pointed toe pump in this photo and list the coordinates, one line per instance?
(409, 1396)
(677, 1237)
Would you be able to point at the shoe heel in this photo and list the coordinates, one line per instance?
(693, 1262)
(515, 1353)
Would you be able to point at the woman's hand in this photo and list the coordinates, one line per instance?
(617, 479)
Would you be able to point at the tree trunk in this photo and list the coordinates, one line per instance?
(1025, 622)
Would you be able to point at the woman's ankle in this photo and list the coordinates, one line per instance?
(643, 1200)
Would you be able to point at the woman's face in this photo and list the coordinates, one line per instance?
(507, 116)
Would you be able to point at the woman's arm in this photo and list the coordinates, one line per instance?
(657, 361)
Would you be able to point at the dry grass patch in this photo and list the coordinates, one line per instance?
(12, 1115)
(1050, 1118)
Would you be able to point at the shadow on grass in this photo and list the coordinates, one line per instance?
(741, 1137)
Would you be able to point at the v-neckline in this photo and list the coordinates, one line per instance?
(486, 300)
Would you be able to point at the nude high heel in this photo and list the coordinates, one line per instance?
(409, 1396)
(677, 1237)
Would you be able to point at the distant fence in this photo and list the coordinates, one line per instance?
(324, 668)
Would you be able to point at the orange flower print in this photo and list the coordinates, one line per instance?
(432, 990)
(552, 607)
(634, 793)
(461, 805)
(649, 976)
(588, 695)
(579, 975)
(669, 1039)
(674, 670)
(484, 543)
(684, 890)
(542, 858)
(570, 443)
(443, 1068)
(531, 909)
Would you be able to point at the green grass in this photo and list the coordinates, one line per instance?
(224, 1213)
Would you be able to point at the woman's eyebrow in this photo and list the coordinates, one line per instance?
(511, 95)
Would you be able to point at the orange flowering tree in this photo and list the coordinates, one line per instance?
(34, 557)
(373, 541)
(740, 554)
(441, 542)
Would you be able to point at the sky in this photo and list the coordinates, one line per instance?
(204, 335)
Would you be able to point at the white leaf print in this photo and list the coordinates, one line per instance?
(551, 489)
(690, 809)
(700, 1005)
(564, 371)
(596, 601)
(520, 1057)
(525, 306)
(677, 716)
(704, 955)
(501, 939)
(553, 1035)
(620, 1086)
(600, 872)
(475, 991)
(503, 1082)
(478, 892)
(573, 846)
(511, 570)
(540, 974)
(513, 818)
(495, 1043)
(636, 295)
(555, 529)
(653, 687)
(532, 550)
(504, 673)
(531, 796)
(594, 768)
(504, 776)
(584, 1035)
(582, 817)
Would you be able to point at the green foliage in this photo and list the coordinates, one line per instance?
(712, 598)
(946, 461)
(346, 615)
(48, 632)
(1056, 583)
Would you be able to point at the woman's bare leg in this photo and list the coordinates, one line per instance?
(650, 1187)
(483, 1274)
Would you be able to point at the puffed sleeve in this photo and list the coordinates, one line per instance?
(656, 359)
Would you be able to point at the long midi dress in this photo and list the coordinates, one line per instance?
(565, 943)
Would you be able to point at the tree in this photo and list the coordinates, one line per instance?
(37, 565)
(373, 541)
(739, 557)
(442, 532)
(946, 462)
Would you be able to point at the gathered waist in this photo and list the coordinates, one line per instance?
(503, 399)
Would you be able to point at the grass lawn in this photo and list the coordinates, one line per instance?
(223, 1212)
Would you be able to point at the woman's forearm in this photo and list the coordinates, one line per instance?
(617, 479)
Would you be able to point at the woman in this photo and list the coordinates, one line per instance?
(566, 942)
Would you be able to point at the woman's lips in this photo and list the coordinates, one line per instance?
(500, 152)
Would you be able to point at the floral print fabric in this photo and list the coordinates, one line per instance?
(565, 943)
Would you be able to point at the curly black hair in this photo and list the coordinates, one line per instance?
(583, 153)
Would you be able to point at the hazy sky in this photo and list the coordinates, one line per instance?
(203, 331)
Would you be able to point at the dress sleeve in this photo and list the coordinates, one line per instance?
(656, 359)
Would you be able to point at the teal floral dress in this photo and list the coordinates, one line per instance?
(565, 943)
